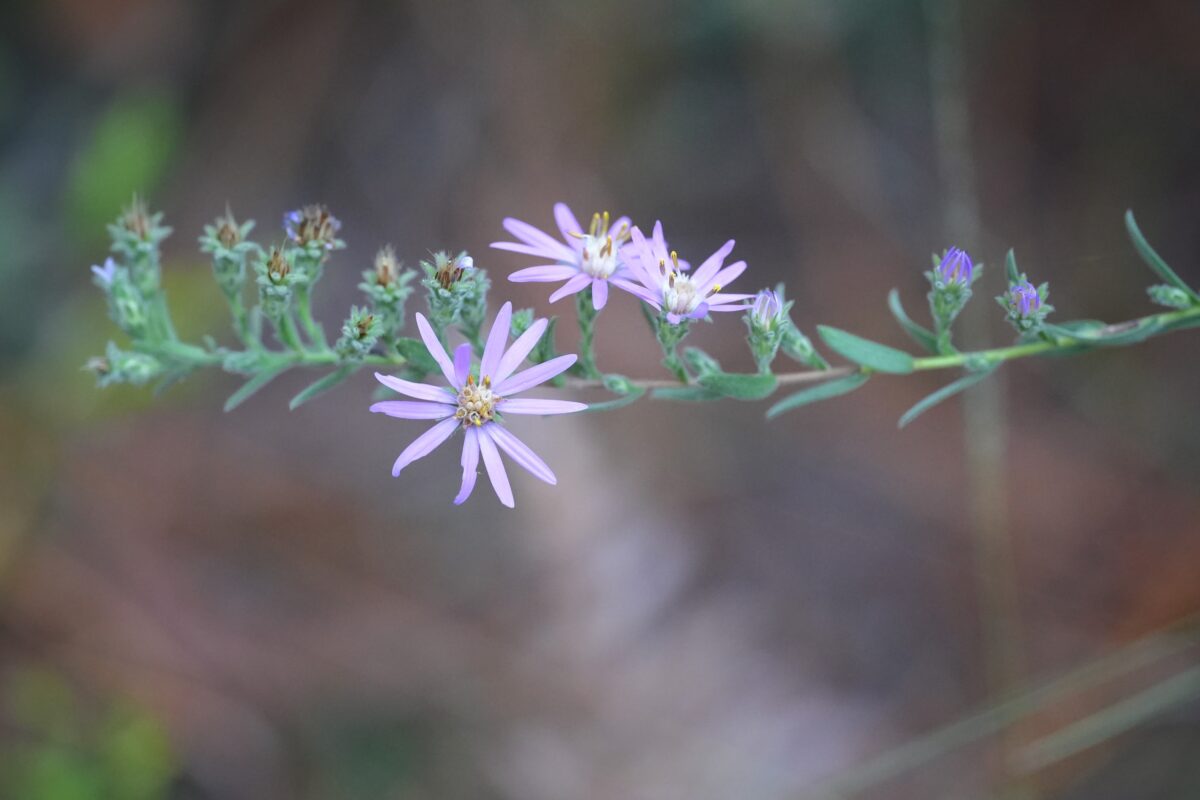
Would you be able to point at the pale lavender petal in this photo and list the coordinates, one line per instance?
(599, 293)
(660, 241)
(531, 235)
(493, 350)
(519, 350)
(425, 444)
(673, 318)
(727, 275)
(470, 465)
(620, 226)
(554, 254)
(637, 290)
(572, 286)
(413, 409)
(722, 298)
(568, 225)
(739, 307)
(421, 391)
(527, 379)
(705, 272)
(529, 405)
(462, 364)
(699, 312)
(495, 467)
(520, 453)
(435, 347)
(548, 272)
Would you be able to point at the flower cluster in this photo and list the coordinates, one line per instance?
(269, 290)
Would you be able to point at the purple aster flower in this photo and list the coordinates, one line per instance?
(662, 280)
(767, 308)
(956, 267)
(1024, 298)
(106, 274)
(474, 402)
(594, 257)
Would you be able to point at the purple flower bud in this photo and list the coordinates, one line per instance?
(767, 308)
(1024, 298)
(956, 267)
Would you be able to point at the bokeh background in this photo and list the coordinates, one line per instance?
(202, 605)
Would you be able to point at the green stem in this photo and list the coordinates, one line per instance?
(312, 328)
(586, 313)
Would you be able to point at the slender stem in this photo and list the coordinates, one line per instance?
(586, 312)
(195, 357)
(312, 328)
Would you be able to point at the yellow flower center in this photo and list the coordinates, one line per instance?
(476, 402)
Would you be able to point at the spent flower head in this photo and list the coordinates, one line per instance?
(663, 282)
(314, 226)
(476, 401)
(584, 257)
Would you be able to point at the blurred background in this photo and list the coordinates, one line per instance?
(995, 602)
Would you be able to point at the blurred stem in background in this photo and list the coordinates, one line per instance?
(984, 415)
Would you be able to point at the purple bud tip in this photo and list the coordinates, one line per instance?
(956, 267)
(767, 307)
(1024, 298)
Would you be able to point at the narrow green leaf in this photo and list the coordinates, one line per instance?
(946, 392)
(1010, 266)
(688, 394)
(877, 356)
(1154, 260)
(323, 385)
(822, 391)
(740, 387)
(416, 354)
(632, 396)
(251, 386)
(1092, 335)
(919, 334)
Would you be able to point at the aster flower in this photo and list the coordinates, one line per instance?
(476, 401)
(593, 258)
(664, 283)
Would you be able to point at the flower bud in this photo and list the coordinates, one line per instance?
(360, 332)
(956, 268)
(1164, 295)
(1026, 304)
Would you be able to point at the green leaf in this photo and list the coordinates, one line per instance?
(919, 334)
(870, 354)
(689, 394)
(1122, 335)
(252, 386)
(323, 385)
(740, 387)
(621, 386)
(700, 362)
(946, 392)
(416, 354)
(1154, 260)
(1010, 266)
(822, 391)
